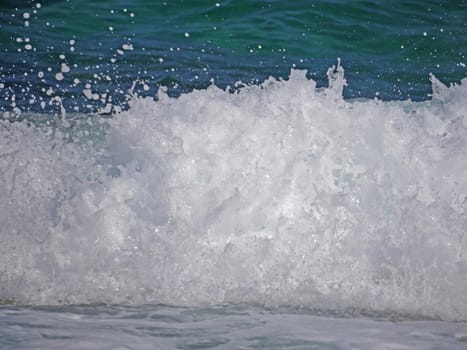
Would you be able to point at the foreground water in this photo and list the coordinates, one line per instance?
(241, 327)
(136, 168)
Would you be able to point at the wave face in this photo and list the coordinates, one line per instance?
(275, 194)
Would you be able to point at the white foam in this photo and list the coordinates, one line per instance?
(278, 194)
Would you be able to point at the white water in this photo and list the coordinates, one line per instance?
(280, 194)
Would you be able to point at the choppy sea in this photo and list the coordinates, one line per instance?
(233, 175)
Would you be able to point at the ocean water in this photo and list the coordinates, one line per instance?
(233, 174)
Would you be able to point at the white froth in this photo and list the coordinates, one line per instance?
(276, 194)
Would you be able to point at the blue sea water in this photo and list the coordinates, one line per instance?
(233, 174)
(388, 48)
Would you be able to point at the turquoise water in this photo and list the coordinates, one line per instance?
(233, 174)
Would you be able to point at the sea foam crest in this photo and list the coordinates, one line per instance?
(277, 194)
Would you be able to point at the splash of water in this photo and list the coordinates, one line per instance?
(277, 194)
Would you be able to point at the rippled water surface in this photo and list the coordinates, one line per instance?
(162, 327)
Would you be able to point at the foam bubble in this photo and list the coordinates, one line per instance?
(65, 68)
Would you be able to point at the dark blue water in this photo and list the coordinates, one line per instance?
(387, 48)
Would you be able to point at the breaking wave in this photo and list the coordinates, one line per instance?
(272, 194)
